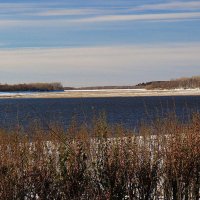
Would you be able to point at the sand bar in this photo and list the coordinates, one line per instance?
(101, 93)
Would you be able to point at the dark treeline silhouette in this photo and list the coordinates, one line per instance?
(42, 87)
(186, 83)
(105, 87)
(193, 82)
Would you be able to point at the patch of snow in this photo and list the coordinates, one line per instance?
(107, 90)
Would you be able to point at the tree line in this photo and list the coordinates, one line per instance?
(185, 83)
(31, 87)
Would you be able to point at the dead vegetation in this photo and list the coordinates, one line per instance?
(160, 161)
(186, 83)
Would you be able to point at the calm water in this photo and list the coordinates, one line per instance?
(126, 110)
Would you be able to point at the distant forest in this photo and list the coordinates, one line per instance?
(186, 83)
(193, 82)
(33, 87)
(105, 87)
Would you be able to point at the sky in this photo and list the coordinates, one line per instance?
(98, 42)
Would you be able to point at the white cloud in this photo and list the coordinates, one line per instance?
(140, 17)
(177, 5)
(87, 57)
(46, 10)
(106, 18)
(63, 12)
(115, 64)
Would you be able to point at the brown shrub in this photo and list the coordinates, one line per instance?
(161, 161)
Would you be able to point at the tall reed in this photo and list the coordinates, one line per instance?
(160, 161)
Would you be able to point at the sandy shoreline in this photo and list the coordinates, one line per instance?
(103, 93)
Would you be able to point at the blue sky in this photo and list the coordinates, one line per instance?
(98, 42)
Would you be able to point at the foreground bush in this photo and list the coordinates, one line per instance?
(161, 161)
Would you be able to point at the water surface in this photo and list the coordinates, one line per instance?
(129, 111)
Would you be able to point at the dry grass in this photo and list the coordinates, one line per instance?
(161, 161)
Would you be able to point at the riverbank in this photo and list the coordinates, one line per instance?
(102, 93)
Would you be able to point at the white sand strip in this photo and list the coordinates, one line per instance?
(102, 93)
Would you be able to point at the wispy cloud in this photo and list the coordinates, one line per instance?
(65, 12)
(50, 9)
(58, 9)
(96, 19)
(116, 63)
(140, 17)
(38, 14)
(176, 5)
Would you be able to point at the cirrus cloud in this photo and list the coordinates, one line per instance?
(176, 5)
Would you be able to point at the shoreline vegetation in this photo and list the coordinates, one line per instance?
(159, 161)
(176, 87)
(181, 83)
(32, 87)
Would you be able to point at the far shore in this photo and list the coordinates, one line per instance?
(101, 93)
